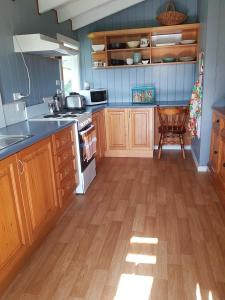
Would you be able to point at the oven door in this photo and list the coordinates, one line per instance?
(87, 145)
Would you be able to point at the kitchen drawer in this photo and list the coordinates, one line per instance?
(63, 138)
(68, 170)
(65, 156)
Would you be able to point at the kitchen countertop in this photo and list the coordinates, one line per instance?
(38, 129)
(100, 107)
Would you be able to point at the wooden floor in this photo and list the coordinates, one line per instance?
(146, 229)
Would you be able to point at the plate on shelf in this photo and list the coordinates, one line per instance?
(187, 58)
(166, 39)
(165, 44)
(187, 42)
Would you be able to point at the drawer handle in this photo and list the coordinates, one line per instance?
(217, 121)
(224, 165)
(215, 152)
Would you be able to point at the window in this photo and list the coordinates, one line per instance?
(71, 74)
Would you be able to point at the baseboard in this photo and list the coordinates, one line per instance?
(173, 147)
(202, 169)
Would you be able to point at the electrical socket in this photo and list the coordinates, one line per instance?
(17, 96)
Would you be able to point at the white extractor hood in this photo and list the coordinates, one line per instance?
(43, 45)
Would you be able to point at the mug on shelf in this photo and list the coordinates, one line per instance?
(144, 42)
(130, 61)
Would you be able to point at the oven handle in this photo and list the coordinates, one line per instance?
(89, 129)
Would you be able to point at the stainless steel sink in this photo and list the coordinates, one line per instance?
(9, 140)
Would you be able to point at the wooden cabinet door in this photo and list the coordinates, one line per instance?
(141, 129)
(117, 129)
(215, 141)
(13, 236)
(95, 121)
(214, 151)
(38, 187)
(98, 119)
(102, 133)
(222, 160)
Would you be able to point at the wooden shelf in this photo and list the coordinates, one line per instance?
(148, 65)
(129, 49)
(98, 52)
(176, 46)
(188, 32)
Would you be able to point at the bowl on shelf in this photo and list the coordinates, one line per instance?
(187, 42)
(145, 61)
(133, 44)
(168, 59)
(117, 46)
(97, 48)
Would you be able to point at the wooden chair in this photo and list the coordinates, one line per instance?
(172, 127)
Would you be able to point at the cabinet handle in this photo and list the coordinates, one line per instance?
(215, 152)
(217, 121)
(20, 167)
(224, 165)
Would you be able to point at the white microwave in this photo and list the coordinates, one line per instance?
(95, 96)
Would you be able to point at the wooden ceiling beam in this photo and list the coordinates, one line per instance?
(78, 7)
(46, 5)
(101, 12)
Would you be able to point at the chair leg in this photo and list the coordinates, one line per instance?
(182, 146)
(160, 146)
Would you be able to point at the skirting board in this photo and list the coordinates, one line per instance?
(199, 168)
(173, 147)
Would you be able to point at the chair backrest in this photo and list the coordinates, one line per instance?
(173, 118)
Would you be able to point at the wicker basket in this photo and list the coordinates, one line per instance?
(171, 16)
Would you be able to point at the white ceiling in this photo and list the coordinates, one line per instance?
(84, 12)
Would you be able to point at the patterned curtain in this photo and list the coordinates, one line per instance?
(195, 104)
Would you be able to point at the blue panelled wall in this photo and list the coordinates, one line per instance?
(172, 82)
(21, 17)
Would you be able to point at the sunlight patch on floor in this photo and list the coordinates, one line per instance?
(210, 295)
(133, 287)
(141, 259)
(144, 240)
(198, 292)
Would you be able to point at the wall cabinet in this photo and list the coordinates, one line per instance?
(37, 180)
(130, 132)
(13, 235)
(98, 119)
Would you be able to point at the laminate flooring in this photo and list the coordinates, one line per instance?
(146, 229)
